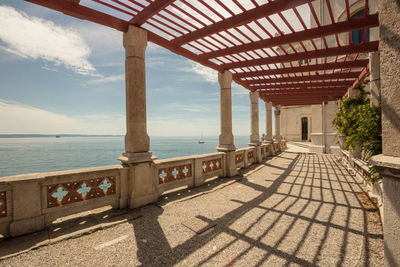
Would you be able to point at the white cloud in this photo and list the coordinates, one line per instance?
(17, 118)
(208, 74)
(108, 79)
(211, 76)
(32, 37)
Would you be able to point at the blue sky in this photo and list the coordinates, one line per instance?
(63, 75)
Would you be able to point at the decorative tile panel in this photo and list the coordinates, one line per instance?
(166, 175)
(250, 155)
(238, 158)
(66, 193)
(211, 165)
(3, 204)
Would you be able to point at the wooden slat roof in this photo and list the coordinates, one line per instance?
(268, 45)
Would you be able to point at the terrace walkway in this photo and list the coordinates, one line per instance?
(296, 208)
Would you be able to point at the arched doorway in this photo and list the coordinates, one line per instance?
(304, 129)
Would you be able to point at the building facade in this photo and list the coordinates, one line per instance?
(314, 123)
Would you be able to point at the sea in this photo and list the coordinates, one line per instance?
(32, 154)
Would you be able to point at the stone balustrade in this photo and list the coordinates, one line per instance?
(31, 202)
(188, 171)
(362, 172)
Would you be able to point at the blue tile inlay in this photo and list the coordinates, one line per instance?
(60, 193)
(84, 189)
(105, 185)
(185, 170)
(163, 174)
(175, 172)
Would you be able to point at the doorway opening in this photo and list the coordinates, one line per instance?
(304, 129)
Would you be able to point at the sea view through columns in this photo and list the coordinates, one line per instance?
(32, 154)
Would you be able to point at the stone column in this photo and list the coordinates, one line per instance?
(268, 128)
(278, 128)
(268, 117)
(278, 124)
(255, 129)
(226, 137)
(137, 157)
(317, 130)
(375, 77)
(388, 163)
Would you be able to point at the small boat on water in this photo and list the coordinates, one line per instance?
(201, 141)
(58, 136)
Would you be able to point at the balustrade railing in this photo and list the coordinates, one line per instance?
(30, 202)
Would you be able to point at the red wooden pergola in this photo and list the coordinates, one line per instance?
(267, 45)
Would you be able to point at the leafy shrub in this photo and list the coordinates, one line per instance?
(361, 124)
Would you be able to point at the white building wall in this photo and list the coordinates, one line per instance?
(291, 122)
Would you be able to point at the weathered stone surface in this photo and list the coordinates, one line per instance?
(268, 117)
(254, 119)
(277, 124)
(389, 11)
(226, 136)
(136, 138)
(296, 209)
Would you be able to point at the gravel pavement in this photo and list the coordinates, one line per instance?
(295, 209)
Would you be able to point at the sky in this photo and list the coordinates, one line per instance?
(63, 75)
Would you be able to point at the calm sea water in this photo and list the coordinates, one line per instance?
(43, 154)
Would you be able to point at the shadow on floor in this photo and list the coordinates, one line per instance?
(339, 192)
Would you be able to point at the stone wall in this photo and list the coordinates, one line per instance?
(291, 122)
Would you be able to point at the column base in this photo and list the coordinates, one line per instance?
(133, 158)
(335, 150)
(26, 226)
(226, 148)
(271, 151)
(316, 149)
(259, 158)
(231, 169)
(389, 169)
(142, 184)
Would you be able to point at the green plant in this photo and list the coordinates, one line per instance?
(373, 175)
(361, 124)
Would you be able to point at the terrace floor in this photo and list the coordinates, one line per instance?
(295, 209)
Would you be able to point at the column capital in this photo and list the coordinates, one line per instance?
(225, 79)
(254, 96)
(135, 42)
(268, 106)
(277, 112)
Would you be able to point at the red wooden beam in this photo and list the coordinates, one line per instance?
(85, 13)
(360, 79)
(306, 68)
(241, 19)
(303, 99)
(299, 103)
(303, 85)
(309, 34)
(348, 75)
(304, 91)
(149, 11)
(327, 52)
